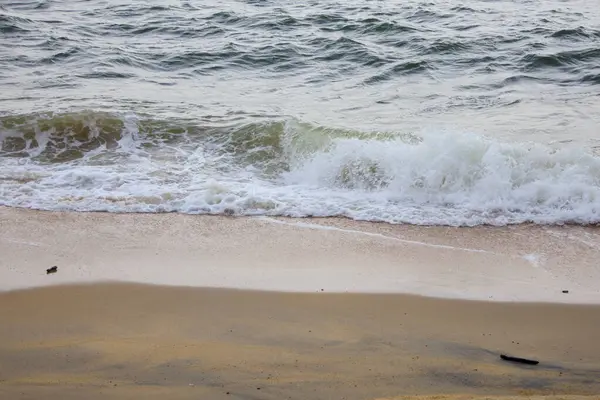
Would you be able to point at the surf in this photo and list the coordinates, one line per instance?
(93, 161)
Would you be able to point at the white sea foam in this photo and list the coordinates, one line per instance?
(441, 179)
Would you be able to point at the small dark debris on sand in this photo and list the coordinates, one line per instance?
(52, 270)
(565, 291)
(519, 360)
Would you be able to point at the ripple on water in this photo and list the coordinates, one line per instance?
(234, 104)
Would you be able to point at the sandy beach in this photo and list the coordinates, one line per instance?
(287, 200)
(530, 263)
(128, 341)
(176, 306)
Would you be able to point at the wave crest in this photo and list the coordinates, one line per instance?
(98, 161)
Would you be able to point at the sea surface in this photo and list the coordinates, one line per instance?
(434, 112)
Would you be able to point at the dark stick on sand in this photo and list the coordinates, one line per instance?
(519, 360)
(52, 270)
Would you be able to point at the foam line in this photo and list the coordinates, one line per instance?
(378, 235)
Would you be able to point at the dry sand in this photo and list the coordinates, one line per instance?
(130, 341)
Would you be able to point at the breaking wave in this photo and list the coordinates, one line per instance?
(93, 161)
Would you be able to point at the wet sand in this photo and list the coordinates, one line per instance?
(81, 334)
(520, 263)
(136, 341)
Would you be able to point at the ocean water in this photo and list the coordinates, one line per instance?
(432, 112)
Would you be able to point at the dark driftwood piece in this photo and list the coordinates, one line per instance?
(519, 360)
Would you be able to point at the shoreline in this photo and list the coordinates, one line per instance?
(508, 264)
(258, 308)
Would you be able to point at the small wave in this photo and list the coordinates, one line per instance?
(106, 75)
(225, 17)
(443, 46)
(563, 59)
(377, 26)
(10, 24)
(62, 56)
(327, 19)
(593, 79)
(268, 57)
(58, 137)
(347, 49)
(275, 23)
(92, 161)
(575, 34)
(399, 69)
(365, 26)
(423, 15)
(195, 58)
(519, 79)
